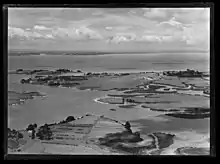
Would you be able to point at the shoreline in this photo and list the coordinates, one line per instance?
(159, 137)
(115, 72)
(162, 142)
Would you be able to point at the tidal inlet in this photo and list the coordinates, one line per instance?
(107, 81)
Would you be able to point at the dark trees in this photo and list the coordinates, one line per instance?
(44, 133)
(69, 119)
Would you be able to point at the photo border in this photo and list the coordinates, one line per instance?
(110, 5)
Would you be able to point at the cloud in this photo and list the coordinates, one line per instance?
(18, 32)
(172, 22)
(15, 31)
(196, 34)
(150, 25)
(118, 28)
(37, 27)
(149, 38)
(117, 39)
(155, 12)
(63, 32)
(54, 32)
(49, 36)
(193, 15)
(122, 37)
(88, 32)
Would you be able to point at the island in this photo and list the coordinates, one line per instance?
(155, 91)
(16, 98)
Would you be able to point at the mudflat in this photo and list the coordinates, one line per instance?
(100, 134)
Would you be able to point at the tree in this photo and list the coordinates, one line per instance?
(30, 127)
(20, 135)
(14, 131)
(44, 133)
(69, 119)
(19, 70)
(23, 81)
(128, 127)
(127, 124)
(123, 100)
(35, 125)
(89, 73)
(137, 134)
(33, 134)
(62, 122)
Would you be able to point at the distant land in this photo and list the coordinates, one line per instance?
(15, 52)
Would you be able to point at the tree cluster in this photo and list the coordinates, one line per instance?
(14, 134)
(68, 119)
(44, 133)
(32, 127)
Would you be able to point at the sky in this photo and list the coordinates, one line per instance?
(109, 29)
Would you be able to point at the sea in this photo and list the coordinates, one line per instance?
(62, 102)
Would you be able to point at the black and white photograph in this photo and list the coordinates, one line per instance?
(108, 80)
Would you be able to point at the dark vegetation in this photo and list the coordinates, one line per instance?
(207, 91)
(189, 115)
(163, 110)
(192, 151)
(192, 113)
(187, 73)
(184, 112)
(164, 140)
(128, 95)
(68, 119)
(58, 71)
(112, 138)
(150, 90)
(126, 141)
(44, 133)
(12, 133)
(127, 106)
(112, 109)
(33, 128)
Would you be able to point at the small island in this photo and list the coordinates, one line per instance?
(129, 83)
(146, 90)
(16, 98)
(187, 73)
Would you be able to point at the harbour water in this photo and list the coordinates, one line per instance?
(62, 102)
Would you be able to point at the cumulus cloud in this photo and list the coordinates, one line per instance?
(122, 37)
(37, 27)
(63, 32)
(49, 36)
(117, 39)
(88, 32)
(155, 25)
(150, 38)
(15, 32)
(54, 32)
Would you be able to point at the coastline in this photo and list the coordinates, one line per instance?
(121, 91)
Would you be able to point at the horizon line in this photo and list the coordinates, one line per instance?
(109, 52)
